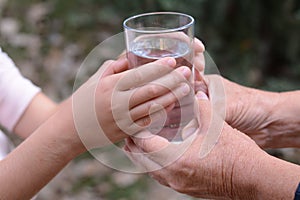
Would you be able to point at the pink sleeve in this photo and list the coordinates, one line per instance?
(16, 92)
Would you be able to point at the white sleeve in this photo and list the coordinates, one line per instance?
(16, 92)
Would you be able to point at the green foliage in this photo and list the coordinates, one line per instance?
(251, 41)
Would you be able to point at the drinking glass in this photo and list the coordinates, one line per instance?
(151, 36)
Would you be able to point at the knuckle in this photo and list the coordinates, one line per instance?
(152, 91)
(177, 77)
(144, 121)
(137, 76)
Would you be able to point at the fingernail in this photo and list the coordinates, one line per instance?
(168, 61)
(185, 88)
(185, 71)
(171, 61)
(201, 95)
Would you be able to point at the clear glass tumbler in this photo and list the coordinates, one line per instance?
(151, 36)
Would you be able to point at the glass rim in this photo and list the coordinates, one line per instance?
(158, 31)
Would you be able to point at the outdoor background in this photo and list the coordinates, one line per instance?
(253, 42)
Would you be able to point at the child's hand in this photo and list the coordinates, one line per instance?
(123, 102)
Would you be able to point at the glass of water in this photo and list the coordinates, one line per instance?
(151, 36)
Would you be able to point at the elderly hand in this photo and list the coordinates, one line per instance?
(269, 118)
(246, 109)
(220, 173)
(236, 168)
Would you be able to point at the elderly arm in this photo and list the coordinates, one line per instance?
(270, 118)
(236, 168)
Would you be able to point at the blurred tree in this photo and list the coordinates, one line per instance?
(253, 42)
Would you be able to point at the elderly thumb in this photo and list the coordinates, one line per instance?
(202, 110)
(210, 124)
(149, 142)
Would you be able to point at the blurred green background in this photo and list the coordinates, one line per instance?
(253, 42)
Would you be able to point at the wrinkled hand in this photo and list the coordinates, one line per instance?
(247, 109)
(116, 102)
(221, 173)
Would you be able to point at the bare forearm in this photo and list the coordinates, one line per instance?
(276, 179)
(37, 112)
(285, 126)
(272, 118)
(262, 176)
(40, 157)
